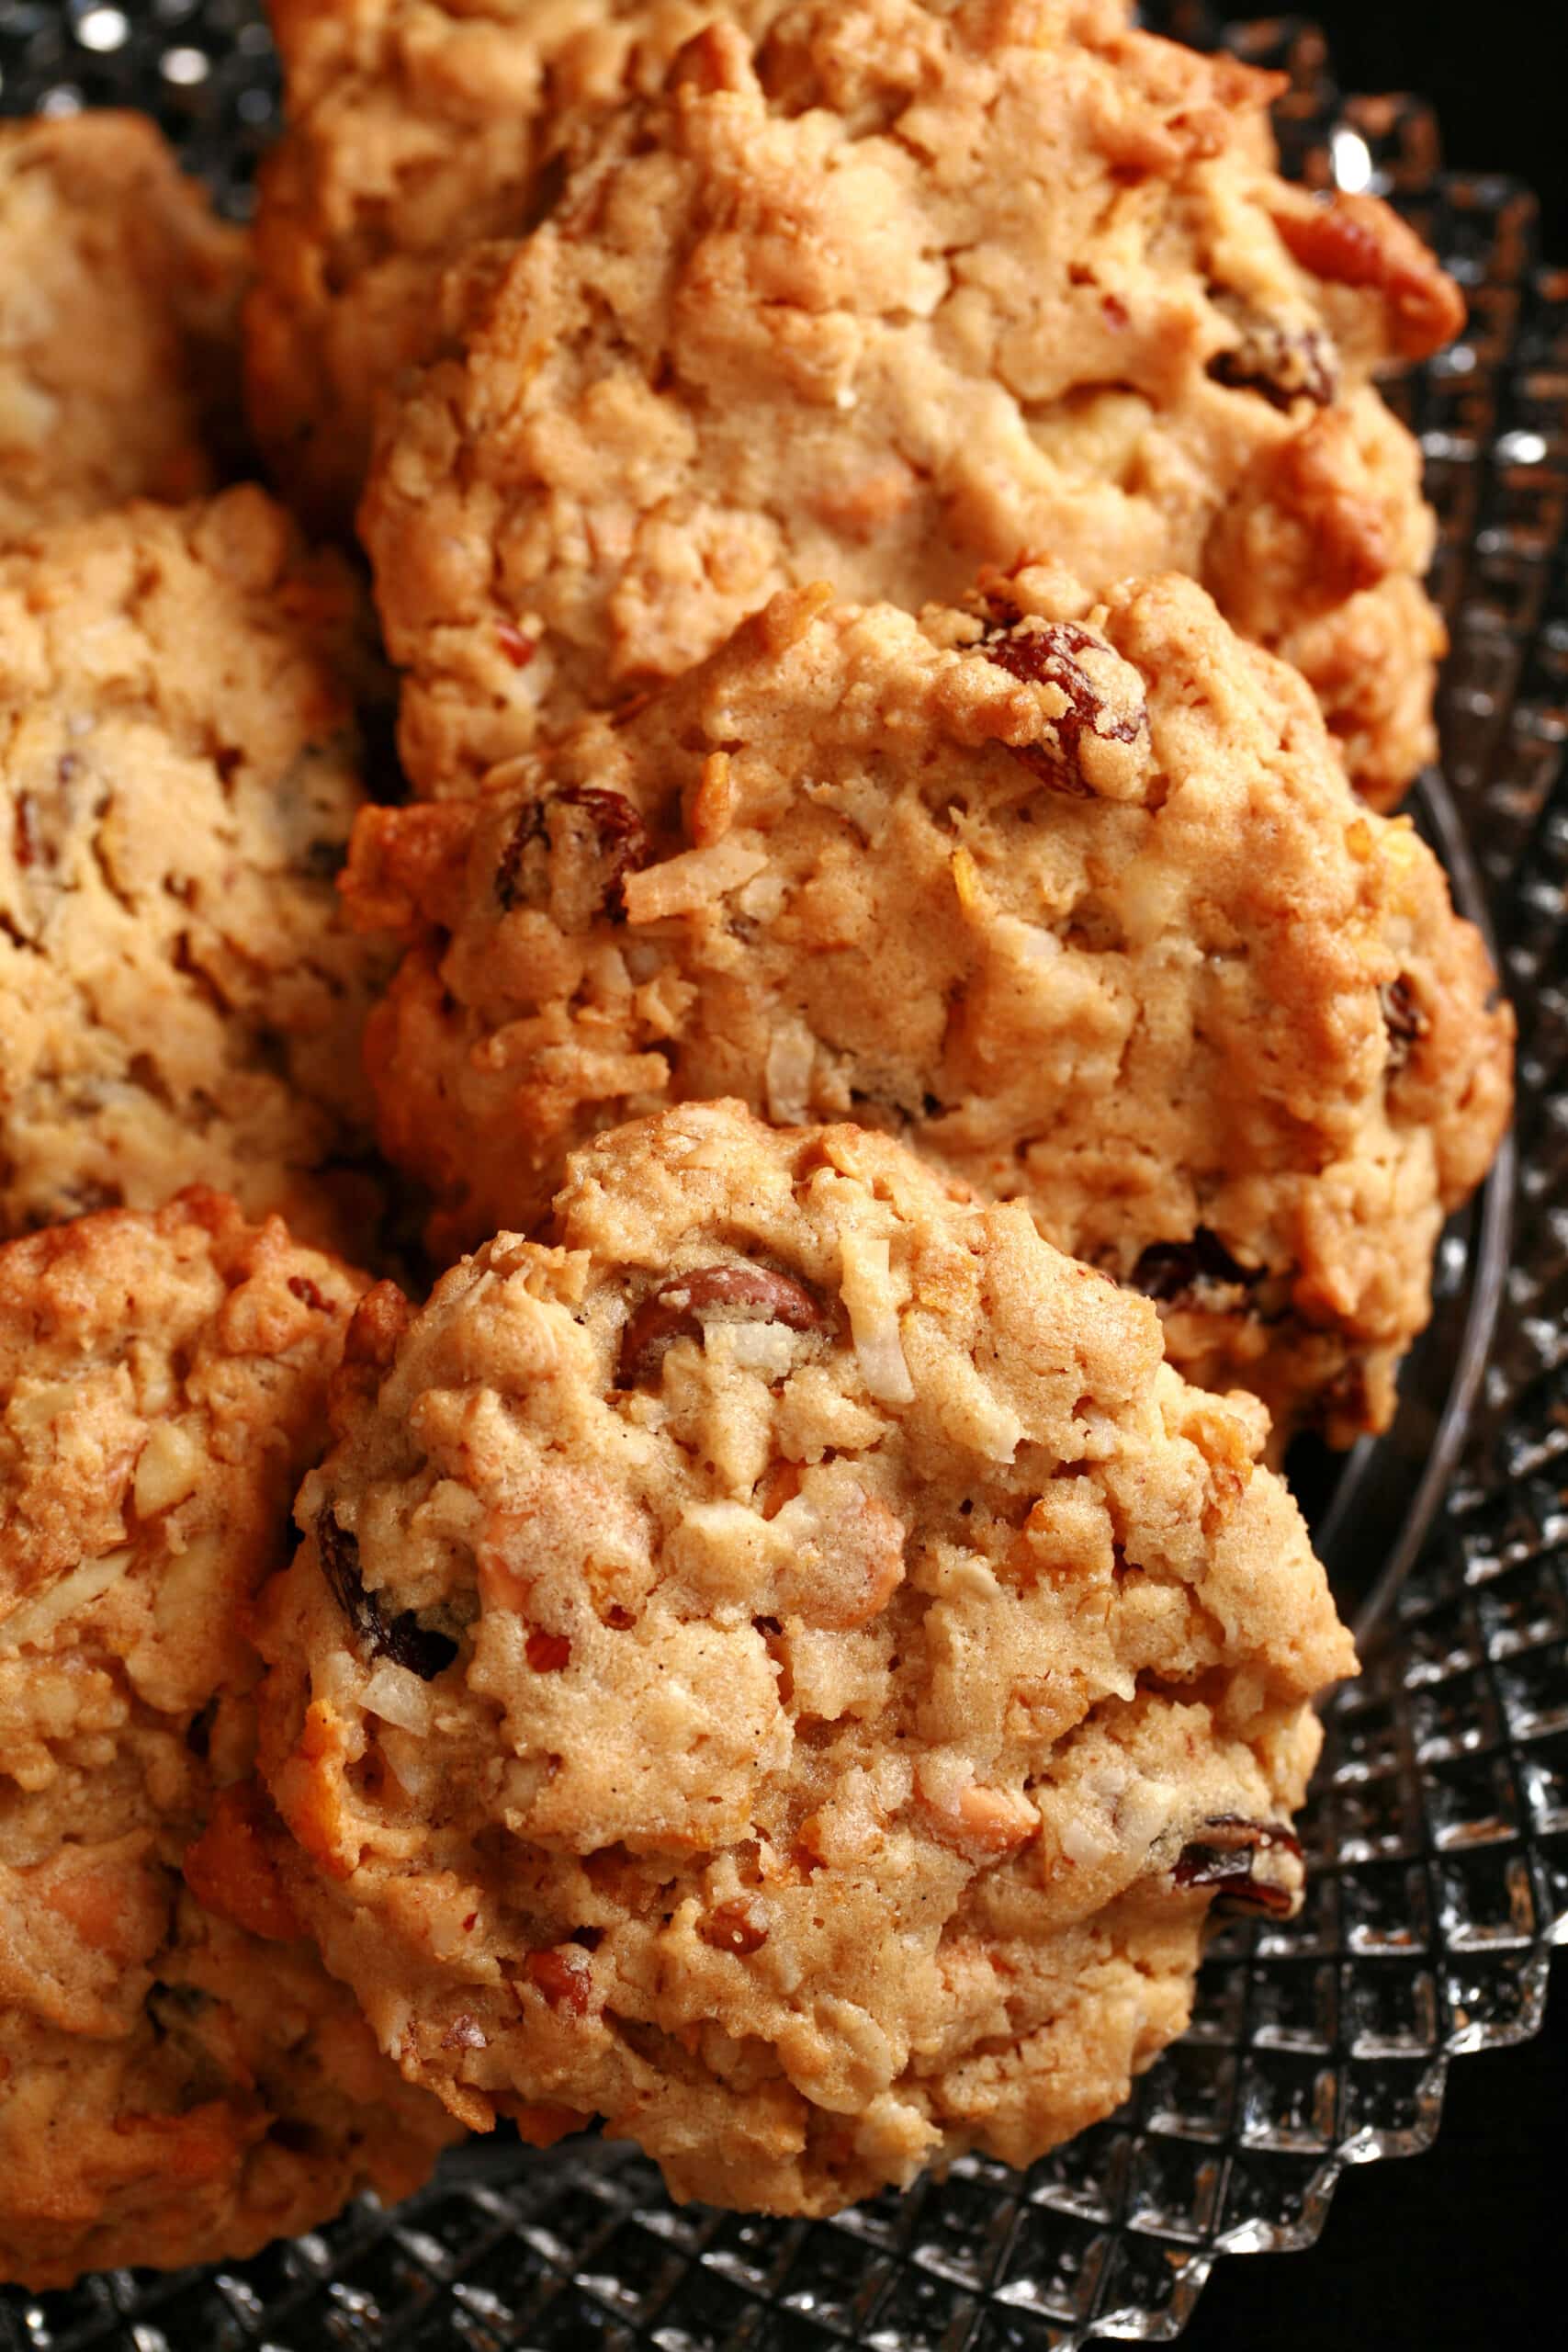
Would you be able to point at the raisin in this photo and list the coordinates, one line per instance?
(1172, 1270)
(1223, 1859)
(1284, 363)
(675, 1310)
(603, 827)
(305, 1290)
(1044, 653)
(1402, 1018)
(562, 1974)
(402, 1638)
(731, 1927)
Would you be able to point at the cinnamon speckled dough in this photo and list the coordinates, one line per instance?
(180, 769)
(179, 2078)
(1074, 896)
(855, 1659)
(415, 127)
(921, 285)
(120, 298)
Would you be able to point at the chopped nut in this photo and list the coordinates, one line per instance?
(734, 1291)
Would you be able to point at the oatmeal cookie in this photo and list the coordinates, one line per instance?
(1073, 896)
(120, 298)
(783, 1666)
(180, 769)
(416, 128)
(179, 2078)
(918, 285)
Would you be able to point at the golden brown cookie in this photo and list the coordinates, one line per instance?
(120, 298)
(919, 285)
(180, 769)
(179, 2078)
(1073, 896)
(783, 1666)
(415, 127)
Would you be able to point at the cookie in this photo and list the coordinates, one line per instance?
(1072, 895)
(783, 1666)
(180, 2079)
(414, 128)
(919, 286)
(119, 299)
(179, 765)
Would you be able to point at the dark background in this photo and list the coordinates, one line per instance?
(1455, 2251)
(1495, 70)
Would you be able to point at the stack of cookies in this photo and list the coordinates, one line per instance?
(647, 1353)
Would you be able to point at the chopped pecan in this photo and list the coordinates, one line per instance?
(1355, 240)
(572, 852)
(1172, 1270)
(1402, 1018)
(1284, 363)
(734, 1928)
(736, 1290)
(402, 1638)
(1046, 653)
(1226, 1856)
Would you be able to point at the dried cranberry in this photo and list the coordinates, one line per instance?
(1170, 1271)
(305, 1290)
(562, 1974)
(675, 1310)
(1043, 653)
(1224, 1856)
(401, 1638)
(547, 1652)
(606, 830)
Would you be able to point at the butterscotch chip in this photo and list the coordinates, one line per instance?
(179, 770)
(845, 1709)
(179, 2078)
(1073, 896)
(120, 296)
(415, 127)
(912, 287)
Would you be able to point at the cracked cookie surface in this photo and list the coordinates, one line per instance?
(179, 2078)
(911, 287)
(120, 298)
(415, 127)
(179, 771)
(853, 1661)
(1073, 896)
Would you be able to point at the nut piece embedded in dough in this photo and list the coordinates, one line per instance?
(180, 2079)
(1073, 896)
(824, 1781)
(901, 288)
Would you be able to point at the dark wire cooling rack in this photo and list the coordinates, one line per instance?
(1439, 1831)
